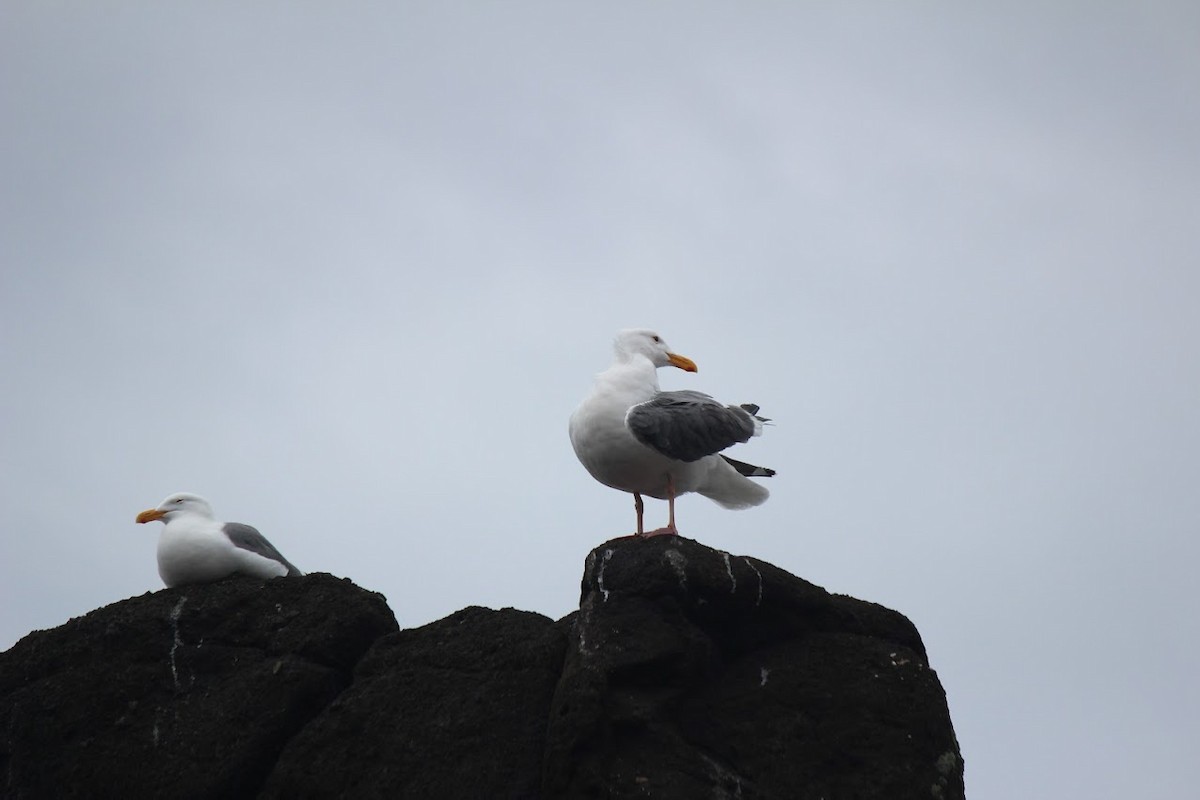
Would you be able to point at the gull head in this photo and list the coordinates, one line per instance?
(641, 342)
(178, 505)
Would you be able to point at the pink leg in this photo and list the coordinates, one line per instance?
(671, 504)
(639, 506)
(670, 530)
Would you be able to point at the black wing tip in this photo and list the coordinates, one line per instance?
(752, 409)
(749, 470)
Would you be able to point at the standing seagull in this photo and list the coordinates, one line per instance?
(633, 437)
(195, 548)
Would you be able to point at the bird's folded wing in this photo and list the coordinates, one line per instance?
(248, 538)
(688, 425)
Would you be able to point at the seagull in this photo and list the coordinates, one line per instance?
(631, 436)
(195, 548)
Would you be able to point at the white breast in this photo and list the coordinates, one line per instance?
(195, 550)
(607, 449)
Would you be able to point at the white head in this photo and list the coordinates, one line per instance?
(178, 505)
(641, 342)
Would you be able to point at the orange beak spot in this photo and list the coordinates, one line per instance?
(683, 362)
(150, 515)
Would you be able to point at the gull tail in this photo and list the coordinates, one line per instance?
(729, 485)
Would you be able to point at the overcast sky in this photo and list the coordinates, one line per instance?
(346, 269)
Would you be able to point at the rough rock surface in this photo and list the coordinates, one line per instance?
(456, 708)
(188, 692)
(693, 673)
(686, 673)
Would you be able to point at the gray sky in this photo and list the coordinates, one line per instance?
(346, 271)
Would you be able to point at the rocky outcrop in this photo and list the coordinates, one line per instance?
(188, 692)
(686, 673)
(454, 709)
(693, 673)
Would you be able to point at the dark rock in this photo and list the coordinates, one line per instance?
(188, 692)
(693, 673)
(455, 709)
(686, 673)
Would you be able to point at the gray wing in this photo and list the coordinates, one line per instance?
(688, 426)
(249, 538)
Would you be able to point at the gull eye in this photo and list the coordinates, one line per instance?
(658, 339)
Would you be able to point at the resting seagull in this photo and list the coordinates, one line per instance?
(633, 437)
(195, 548)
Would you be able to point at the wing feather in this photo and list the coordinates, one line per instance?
(248, 538)
(688, 425)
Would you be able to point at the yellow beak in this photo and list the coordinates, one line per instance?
(149, 515)
(683, 362)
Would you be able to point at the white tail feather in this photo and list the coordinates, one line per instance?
(729, 488)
